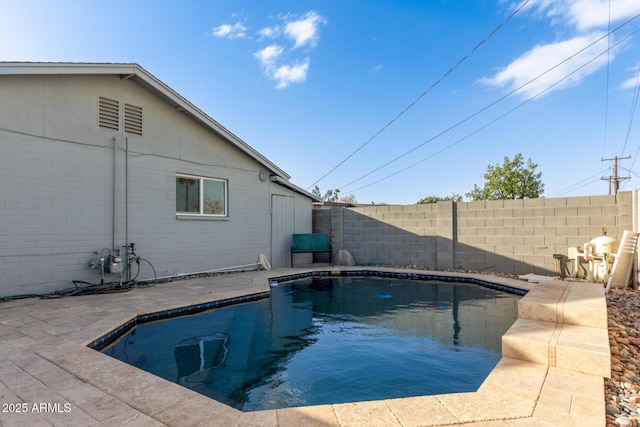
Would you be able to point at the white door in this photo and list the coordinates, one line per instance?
(282, 226)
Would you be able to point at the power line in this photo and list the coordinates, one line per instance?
(464, 58)
(606, 101)
(630, 173)
(634, 159)
(492, 104)
(634, 104)
(486, 125)
(636, 174)
(490, 123)
(579, 184)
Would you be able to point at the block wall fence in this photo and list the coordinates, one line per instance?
(505, 236)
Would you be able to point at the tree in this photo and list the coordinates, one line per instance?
(333, 196)
(329, 196)
(512, 180)
(435, 199)
(349, 198)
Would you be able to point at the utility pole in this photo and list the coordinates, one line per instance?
(615, 178)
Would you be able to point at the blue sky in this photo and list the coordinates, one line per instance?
(309, 83)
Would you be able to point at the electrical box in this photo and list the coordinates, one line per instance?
(115, 264)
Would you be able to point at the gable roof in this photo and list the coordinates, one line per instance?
(139, 75)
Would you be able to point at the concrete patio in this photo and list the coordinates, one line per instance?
(554, 360)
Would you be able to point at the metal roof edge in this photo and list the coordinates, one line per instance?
(293, 187)
(52, 68)
(149, 81)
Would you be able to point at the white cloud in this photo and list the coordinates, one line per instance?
(281, 60)
(586, 14)
(632, 82)
(537, 61)
(286, 74)
(376, 68)
(304, 31)
(269, 32)
(269, 54)
(283, 74)
(585, 21)
(235, 31)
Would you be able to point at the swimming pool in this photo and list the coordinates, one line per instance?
(328, 340)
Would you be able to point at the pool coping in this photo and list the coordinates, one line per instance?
(58, 367)
(103, 341)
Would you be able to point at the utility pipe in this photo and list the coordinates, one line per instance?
(126, 205)
(634, 211)
(115, 192)
(207, 271)
(635, 219)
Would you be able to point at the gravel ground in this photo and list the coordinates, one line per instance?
(622, 391)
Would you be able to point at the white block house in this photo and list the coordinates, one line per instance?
(94, 157)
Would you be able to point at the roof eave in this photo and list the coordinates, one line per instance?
(294, 188)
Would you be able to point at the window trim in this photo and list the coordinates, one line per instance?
(201, 214)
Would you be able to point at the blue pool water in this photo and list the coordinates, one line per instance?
(330, 340)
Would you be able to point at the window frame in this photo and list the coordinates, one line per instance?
(201, 180)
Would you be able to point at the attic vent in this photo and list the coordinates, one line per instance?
(108, 112)
(133, 119)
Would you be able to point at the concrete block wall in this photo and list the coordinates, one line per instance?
(53, 207)
(521, 236)
(383, 234)
(321, 223)
(509, 236)
(61, 176)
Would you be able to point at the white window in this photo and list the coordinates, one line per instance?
(201, 196)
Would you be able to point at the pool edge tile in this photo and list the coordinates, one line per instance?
(421, 411)
(375, 413)
(311, 416)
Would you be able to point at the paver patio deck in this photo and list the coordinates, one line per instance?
(47, 370)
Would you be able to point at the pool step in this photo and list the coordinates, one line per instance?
(561, 324)
(575, 303)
